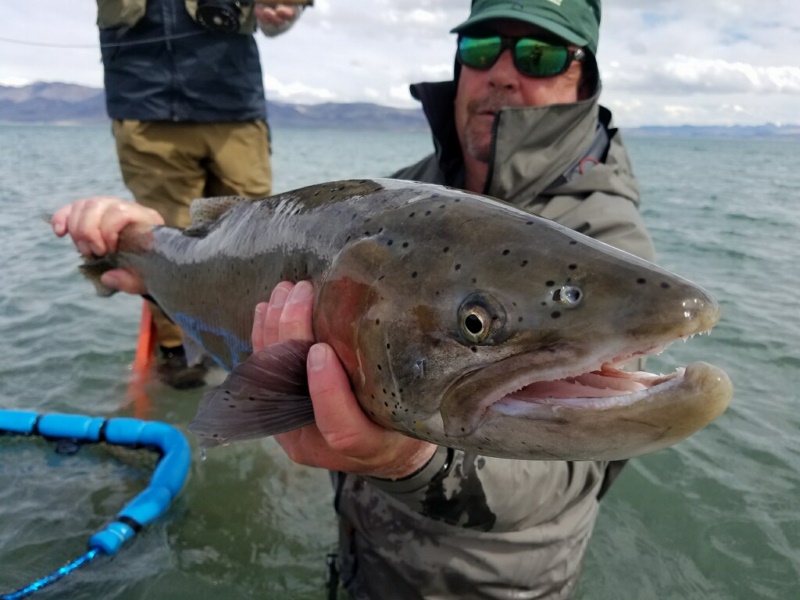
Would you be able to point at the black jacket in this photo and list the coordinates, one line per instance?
(193, 75)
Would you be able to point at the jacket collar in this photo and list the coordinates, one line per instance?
(531, 146)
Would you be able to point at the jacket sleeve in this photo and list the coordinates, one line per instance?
(494, 494)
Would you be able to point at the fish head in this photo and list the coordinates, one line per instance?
(472, 324)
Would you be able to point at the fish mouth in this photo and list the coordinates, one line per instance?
(526, 386)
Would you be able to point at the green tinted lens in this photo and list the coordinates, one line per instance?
(479, 53)
(538, 59)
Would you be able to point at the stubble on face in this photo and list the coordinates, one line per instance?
(478, 122)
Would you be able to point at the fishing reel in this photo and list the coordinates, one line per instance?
(226, 16)
(221, 16)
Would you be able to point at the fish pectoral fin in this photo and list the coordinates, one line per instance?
(262, 396)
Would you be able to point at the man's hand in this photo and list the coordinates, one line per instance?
(276, 20)
(94, 225)
(343, 438)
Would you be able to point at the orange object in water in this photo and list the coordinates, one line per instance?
(146, 346)
(142, 362)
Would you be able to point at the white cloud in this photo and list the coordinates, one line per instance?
(720, 60)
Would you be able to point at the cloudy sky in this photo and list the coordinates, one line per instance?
(663, 62)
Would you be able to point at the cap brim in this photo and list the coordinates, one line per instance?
(554, 28)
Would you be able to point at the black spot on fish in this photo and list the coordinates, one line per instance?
(529, 223)
(377, 321)
(473, 348)
(573, 243)
(474, 280)
(641, 281)
(389, 242)
(427, 213)
(506, 252)
(386, 404)
(446, 249)
(458, 267)
(550, 283)
(405, 244)
(413, 275)
(572, 267)
(411, 215)
(555, 314)
(380, 368)
(519, 319)
(523, 263)
(665, 285)
(388, 346)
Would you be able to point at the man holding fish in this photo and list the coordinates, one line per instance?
(433, 502)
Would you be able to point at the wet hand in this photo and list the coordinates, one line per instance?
(343, 438)
(94, 225)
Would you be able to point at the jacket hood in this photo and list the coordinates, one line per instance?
(539, 150)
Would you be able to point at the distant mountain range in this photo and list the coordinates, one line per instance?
(66, 103)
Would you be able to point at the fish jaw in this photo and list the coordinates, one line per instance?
(666, 410)
(588, 411)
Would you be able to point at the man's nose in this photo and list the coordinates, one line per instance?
(503, 73)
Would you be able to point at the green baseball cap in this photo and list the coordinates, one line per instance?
(576, 21)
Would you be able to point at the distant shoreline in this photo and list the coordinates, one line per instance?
(71, 105)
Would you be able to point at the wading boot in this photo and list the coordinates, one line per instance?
(173, 369)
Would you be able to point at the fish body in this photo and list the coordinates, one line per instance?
(459, 319)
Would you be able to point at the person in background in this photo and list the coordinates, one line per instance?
(520, 121)
(184, 91)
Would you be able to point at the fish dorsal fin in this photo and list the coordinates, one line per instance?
(262, 396)
(204, 212)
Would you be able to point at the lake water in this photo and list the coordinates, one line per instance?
(715, 517)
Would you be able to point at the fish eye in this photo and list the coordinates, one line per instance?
(480, 317)
(475, 324)
(569, 295)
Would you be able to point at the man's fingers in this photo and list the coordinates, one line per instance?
(257, 334)
(124, 281)
(295, 321)
(59, 220)
(340, 419)
(83, 224)
(272, 318)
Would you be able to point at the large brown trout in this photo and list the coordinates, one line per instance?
(460, 319)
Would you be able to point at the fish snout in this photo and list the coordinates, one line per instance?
(700, 313)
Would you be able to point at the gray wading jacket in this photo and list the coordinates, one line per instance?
(470, 526)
